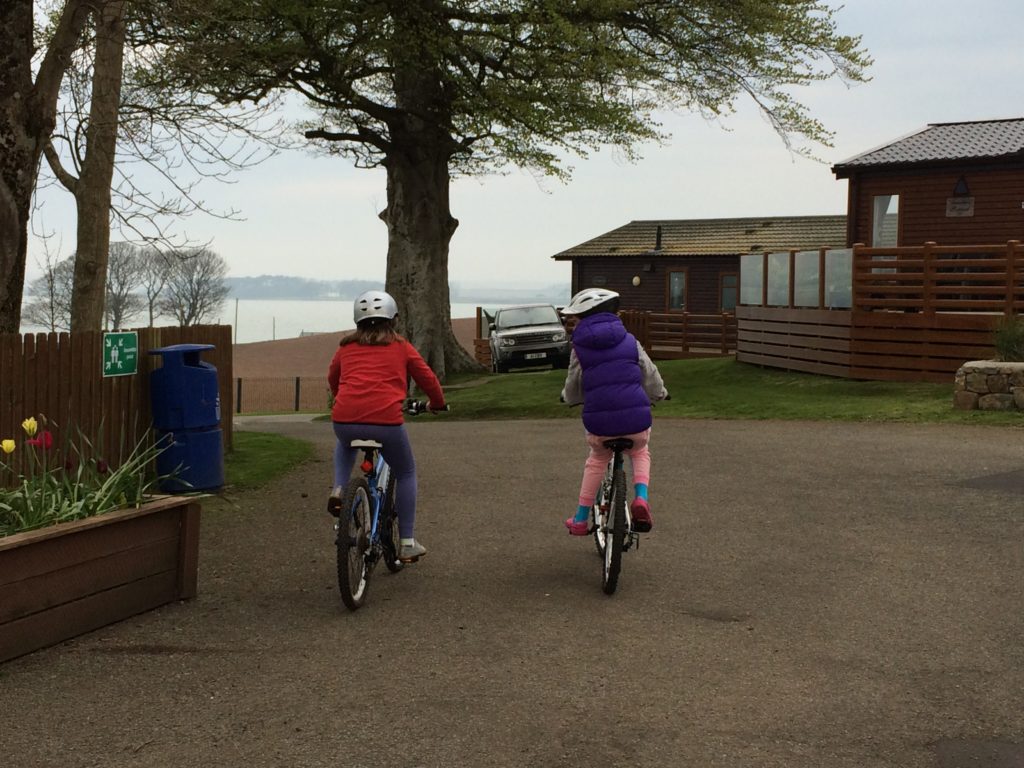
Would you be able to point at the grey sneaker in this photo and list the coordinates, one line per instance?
(410, 553)
(334, 501)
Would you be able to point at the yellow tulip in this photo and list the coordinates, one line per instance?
(30, 426)
(7, 446)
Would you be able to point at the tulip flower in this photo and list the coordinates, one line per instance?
(7, 446)
(31, 426)
(44, 440)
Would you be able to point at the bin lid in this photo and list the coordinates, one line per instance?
(181, 348)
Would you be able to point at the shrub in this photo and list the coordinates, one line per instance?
(70, 482)
(1009, 339)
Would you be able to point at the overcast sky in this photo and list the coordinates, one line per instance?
(935, 61)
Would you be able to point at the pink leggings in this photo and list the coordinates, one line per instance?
(597, 462)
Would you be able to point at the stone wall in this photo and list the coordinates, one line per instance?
(989, 385)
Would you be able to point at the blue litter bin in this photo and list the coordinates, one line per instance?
(185, 400)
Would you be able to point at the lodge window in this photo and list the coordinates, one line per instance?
(727, 292)
(677, 291)
(885, 221)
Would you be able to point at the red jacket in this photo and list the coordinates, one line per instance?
(369, 382)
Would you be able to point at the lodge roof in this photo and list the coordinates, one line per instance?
(713, 237)
(943, 143)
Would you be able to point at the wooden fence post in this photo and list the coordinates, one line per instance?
(855, 261)
(1011, 276)
(821, 277)
(764, 279)
(792, 278)
(927, 278)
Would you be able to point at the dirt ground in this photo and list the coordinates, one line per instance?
(309, 355)
(813, 595)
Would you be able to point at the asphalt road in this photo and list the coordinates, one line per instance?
(813, 594)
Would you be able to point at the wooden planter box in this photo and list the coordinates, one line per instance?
(62, 581)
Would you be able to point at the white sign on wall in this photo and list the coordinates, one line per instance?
(959, 206)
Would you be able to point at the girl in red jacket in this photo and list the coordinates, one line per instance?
(369, 378)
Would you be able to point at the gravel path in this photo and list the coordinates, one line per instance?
(813, 594)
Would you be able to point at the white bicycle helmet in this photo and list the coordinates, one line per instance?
(373, 304)
(587, 300)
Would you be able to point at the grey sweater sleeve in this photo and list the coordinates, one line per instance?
(572, 392)
(653, 384)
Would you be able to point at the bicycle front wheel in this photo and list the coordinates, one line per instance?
(599, 513)
(615, 536)
(353, 543)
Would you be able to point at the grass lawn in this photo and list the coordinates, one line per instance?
(259, 457)
(721, 388)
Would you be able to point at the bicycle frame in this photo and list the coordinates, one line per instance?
(376, 471)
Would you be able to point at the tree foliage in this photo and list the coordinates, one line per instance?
(517, 82)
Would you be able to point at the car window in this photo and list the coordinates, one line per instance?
(519, 317)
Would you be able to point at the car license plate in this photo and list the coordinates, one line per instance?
(535, 355)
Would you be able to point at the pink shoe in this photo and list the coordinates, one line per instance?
(577, 528)
(641, 512)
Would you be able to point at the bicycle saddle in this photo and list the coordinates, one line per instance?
(619, 443)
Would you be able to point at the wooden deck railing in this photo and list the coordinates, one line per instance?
(917, 314)
(667, 335)
(936, 278)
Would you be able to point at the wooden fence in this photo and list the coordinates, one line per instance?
(674, 335)
(917, 314)
(58, 377)
(664, 335)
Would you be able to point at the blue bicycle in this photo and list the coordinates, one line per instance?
(367, 524)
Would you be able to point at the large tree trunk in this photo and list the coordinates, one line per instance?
(418, 214)
(92, 193)
(19, 156)
(27, 118)
(420, 227)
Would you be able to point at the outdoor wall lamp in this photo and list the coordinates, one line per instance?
(636, 280)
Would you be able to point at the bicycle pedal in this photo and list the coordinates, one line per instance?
(409, 560)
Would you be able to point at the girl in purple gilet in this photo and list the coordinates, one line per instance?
(613, 377)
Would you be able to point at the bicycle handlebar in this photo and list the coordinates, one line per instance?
(416, 407)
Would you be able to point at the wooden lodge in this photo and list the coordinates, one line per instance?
(679, 279)
(933, 263)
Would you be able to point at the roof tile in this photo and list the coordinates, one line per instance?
(987, 139)
(714, 237)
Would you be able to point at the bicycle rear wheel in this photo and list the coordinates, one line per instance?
(616, 533)
(389, 537)
(353, 543)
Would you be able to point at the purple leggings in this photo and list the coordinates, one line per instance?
(396, 452)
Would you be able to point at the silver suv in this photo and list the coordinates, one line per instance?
(530, 334)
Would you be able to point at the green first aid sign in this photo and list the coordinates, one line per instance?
(120, 354)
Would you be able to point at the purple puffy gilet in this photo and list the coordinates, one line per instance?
(614, 400)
